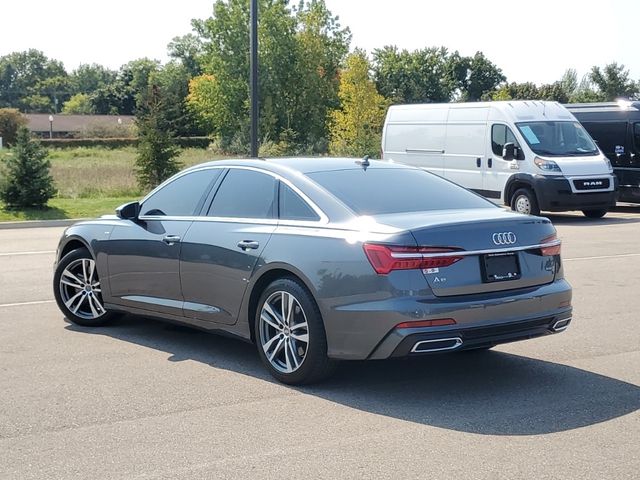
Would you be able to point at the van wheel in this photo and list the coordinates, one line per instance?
(524, 201)
(594, 213)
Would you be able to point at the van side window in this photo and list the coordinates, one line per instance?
(501, 134)
(636, 136)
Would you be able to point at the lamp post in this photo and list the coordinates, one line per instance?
(253, 75)
(50, 126)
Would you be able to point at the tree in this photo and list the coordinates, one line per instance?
(155, 161)
(300, 52)
(613, 82)
(30, 81)
(188, 49)
(356, 127)
(89, 78)
(27, 181)
(10, 121)
(173, 80)
(122, 95)
(322, 48)
(530, 91)
(79, 104)
(480, 76)
(422, 76)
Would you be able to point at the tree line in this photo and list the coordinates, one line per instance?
(317, 94)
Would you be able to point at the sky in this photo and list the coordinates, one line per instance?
(530, 41)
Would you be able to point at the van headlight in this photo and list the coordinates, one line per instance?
(608, 164)
(547, 165)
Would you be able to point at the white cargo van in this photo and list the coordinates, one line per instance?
(531, 155)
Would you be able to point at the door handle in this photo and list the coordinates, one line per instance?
(490, 162)
(171, 239)
(478, 162)
(248, 245)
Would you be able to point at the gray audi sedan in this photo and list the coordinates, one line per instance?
(319, 260)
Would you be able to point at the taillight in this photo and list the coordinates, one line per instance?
(552, 249)
(385, 258)
(438, 322)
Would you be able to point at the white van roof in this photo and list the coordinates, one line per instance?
(509, 111)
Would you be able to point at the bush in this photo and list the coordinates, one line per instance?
(10, 121)
(28, 181)
(184, 142)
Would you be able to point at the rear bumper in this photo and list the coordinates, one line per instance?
(362, 330)
(475, 337)
(554, 194)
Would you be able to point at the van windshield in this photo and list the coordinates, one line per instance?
(557, 139)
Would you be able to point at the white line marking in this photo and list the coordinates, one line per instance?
(37, 302)
(39, 252)
(603, 256)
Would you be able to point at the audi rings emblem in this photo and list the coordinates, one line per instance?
(504, 238)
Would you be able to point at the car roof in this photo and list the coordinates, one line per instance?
(303, 165)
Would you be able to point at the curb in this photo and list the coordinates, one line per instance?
(39, 223)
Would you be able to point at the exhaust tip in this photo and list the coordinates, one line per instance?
(561, 325)
(437, 345)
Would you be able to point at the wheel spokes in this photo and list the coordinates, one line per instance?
(284, 331)
(80, 289)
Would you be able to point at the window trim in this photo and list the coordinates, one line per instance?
(208, 202)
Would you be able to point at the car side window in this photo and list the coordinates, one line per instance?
(500, 135)
(245, 194)
(293, 206)
(636, 136)
(182, 196)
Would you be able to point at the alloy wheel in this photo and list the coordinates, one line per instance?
(284, 332)
(80, 289)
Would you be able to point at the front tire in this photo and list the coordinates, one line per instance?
(77, 289)
(524, 201)
(290, 334)
(594, 213)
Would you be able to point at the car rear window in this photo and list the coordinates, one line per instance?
(394, 190)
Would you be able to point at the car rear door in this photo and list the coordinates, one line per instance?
(143, 255)
(224, 245)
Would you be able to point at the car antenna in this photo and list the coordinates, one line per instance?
(364, 163)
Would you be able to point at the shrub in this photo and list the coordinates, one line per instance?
(10, 121)
(28, 181)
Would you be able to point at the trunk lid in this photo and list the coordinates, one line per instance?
(499, 239)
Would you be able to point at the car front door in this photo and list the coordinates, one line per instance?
(221, 249)
(143, 255)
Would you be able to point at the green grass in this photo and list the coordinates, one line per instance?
(61, 208)
(92, 181)
(100, 172)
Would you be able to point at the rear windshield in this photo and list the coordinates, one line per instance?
(390, 190)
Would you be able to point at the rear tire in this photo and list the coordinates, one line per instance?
(290, 334)
(594, 213)
(524, 201)
(77, 289)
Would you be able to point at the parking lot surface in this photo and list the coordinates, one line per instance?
(144, 399)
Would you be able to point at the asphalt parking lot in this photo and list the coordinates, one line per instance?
(143, 399)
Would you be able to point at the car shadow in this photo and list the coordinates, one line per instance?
(581, 220)
(488, 393)
(574, 218)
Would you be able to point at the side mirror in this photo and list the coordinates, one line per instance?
(509, 151)
(128, 211)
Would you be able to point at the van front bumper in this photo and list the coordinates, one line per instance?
(554, 194)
